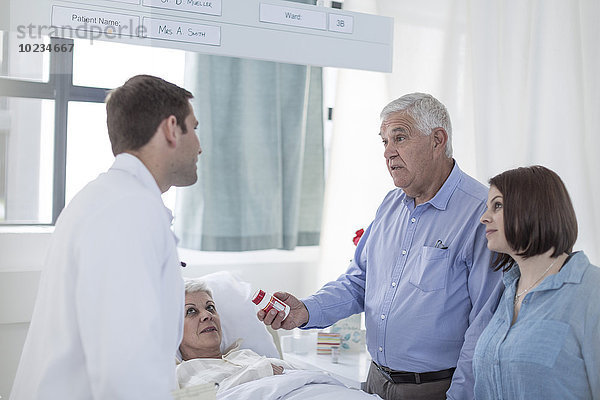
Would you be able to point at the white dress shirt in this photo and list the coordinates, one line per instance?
(108, 317)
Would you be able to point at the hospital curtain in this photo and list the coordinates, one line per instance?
(520, 80)
(261, 173)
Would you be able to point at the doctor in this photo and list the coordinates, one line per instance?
(421, 270)
(108, 316)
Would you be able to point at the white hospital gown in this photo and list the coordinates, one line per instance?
(232, 369)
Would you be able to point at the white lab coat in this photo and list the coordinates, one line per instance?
(108, 317)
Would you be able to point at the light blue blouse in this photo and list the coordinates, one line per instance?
(553, 349)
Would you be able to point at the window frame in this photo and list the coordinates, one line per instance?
(59, 88)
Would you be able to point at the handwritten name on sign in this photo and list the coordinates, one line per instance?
(182, 32)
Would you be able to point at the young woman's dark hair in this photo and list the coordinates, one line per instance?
(538, 214)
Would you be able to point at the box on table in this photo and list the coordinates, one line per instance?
(352, 338)
(325, 341)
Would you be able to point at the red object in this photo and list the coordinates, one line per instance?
(259, 296)
(359, 233)
(267, 302)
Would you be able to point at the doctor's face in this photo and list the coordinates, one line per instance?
(185, 168)
(201, 327)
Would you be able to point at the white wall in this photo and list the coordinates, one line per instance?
(22, 254)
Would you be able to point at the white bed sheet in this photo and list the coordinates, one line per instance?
(295, 385)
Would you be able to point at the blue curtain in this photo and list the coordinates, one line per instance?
(261, 175)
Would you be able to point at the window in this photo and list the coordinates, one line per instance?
(53, 137)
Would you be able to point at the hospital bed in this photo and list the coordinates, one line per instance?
(238, 320)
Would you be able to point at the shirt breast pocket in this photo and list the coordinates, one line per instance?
(546, 339)
(429, 273)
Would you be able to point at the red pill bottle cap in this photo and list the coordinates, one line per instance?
(258, 296)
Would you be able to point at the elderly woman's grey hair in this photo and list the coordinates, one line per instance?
(196, 285)
(426, 110)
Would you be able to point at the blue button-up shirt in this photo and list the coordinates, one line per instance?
(422, 275)
(553, 349)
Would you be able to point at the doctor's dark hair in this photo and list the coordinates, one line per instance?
(538, 214)
(135, 110)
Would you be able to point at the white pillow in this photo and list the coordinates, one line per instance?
(238, 314)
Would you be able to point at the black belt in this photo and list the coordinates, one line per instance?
(414, 377)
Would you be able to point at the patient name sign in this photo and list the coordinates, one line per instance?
(272, 30)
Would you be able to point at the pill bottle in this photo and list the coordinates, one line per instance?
(267, 302)
(335, 354)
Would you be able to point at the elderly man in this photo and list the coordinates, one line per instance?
(109, 312)
(421, 270)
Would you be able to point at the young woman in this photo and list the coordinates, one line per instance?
(543, 341)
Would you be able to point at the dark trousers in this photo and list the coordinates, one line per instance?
(378, 384)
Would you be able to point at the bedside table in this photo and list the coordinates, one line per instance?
(352, 367)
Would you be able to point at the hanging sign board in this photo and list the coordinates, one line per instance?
(273, 30)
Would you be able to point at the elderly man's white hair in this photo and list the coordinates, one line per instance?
(426, 110)
(196, 285)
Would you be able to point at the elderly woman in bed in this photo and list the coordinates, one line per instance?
(203, 361)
